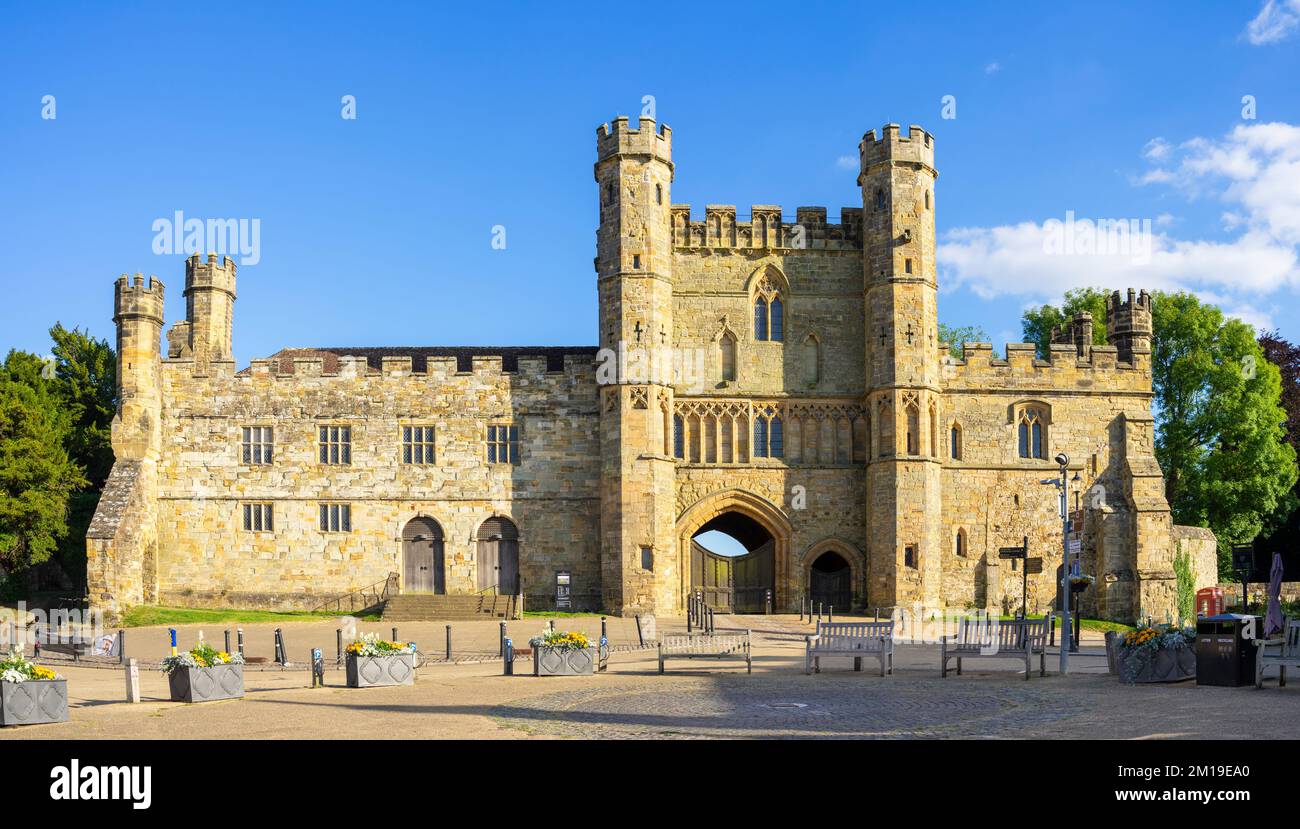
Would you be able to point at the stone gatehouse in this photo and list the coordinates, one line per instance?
(779, 378)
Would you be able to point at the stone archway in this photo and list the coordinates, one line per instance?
(852, 557)
(763, 512)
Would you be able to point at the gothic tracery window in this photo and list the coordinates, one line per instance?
(769, 311)
(1031, 429)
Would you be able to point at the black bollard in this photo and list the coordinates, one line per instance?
(501, 644)
(509, 658)
(552, 626)
(394, 634)
(830, 617)
(448, 643)
(338, 643)
(239, 636)
(603, 633)
(227, 637)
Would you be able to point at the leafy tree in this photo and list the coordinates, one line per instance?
(954, 337)
(1038, 324)
(1286, 356)
(1219, 436)
(85, 376)
(36, 474)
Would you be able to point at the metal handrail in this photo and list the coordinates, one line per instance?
(380, 591)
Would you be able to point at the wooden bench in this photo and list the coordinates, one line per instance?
(852, 639)
(706, 646)
(1285, 653)
(981, 637)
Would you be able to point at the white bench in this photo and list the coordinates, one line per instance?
(1285, 653)
(852, 639)
(706, 646)
(982, 637)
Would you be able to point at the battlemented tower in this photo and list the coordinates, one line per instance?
(903, 398)
(138, 314)
(634, 174)
(209, 312)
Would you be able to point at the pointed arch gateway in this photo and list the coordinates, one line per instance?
(737, 584)
(497, 556)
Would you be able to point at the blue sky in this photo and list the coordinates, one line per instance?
(378, 230)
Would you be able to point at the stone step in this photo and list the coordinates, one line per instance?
(429, 607)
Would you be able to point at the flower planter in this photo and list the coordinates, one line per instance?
(373, 671)
(557, 662)
(207, 684)
(1166, 665)
(33, 702)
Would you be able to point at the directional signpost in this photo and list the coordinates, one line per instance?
(1022, 553)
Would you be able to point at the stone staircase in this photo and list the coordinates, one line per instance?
(426, 607)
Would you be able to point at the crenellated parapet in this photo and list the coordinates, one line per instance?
(618, 138)
(1128, 326)
(890, 145)
(1100, 370)
(212, 274)
(138, 298)
(764, 228)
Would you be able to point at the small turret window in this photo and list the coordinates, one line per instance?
(659, 194)
(880, 199)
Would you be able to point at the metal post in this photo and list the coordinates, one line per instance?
(239, 636)
(501, 644)
(819, 613)
(121, 647)
(552, 626)
(603, 633)
(1066, 632)
(1024, 578)
(448, 643)
(830, 617)
(394, 634)
(227, 636)
(280, 655)
(508, 667)
(338, 642)
(690, 611)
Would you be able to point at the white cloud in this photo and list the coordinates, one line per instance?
(1276, 21)
(992, 68)
(1254, 171)
(1157, 149)
(848, 162)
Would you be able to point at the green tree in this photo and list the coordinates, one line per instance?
(1220, 437)
(85, 375)
(1037, 324)
(954, 337)
(36, 475)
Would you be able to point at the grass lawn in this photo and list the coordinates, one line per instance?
(557, 614)
(1100, 625)
(148, 615)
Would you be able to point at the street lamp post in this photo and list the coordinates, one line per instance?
(1062, 485)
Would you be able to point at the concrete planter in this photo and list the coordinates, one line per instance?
(374, 671)
(1166, 665)
(555, 662)
(33, 702)
(207, 684)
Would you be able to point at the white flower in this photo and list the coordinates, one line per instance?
(12, 675)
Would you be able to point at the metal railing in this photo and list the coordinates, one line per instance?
(364, 599)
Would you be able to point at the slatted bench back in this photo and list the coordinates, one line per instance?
(852, 635)
(705, 644)
(1015, 635)
(1292, 646)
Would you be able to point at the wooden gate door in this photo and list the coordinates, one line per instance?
(712, 575)
(498, 556)
(832, 589)
(752, 576)
(422, 557)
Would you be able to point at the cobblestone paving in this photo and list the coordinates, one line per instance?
(791, 707)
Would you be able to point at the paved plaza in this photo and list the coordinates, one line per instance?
(470, 699)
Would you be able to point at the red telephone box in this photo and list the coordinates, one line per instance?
(1209, 601)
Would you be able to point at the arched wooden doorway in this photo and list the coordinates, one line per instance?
(830, 581)
(422, 557)
(735, 583)
(763, 524)
(498, 556)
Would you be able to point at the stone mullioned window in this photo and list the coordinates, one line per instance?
(336, 518)
(417, 445)
(503, 444)
(258, 518)
(335, 445)
(257, 445)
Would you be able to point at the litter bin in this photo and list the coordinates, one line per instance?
(1225, 649)
(1209, 601)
